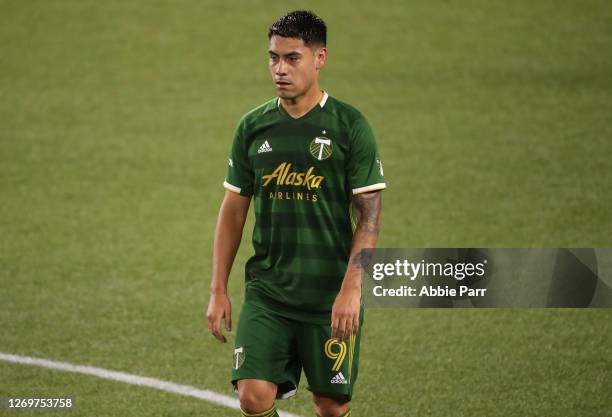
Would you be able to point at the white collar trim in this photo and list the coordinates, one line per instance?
(321, 103)
(324, 99)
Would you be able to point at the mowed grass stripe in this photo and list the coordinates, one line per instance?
(126, 378)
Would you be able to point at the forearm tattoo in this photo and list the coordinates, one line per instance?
(367, 207)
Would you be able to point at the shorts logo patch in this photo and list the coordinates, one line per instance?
(338, 379)
(239, 357)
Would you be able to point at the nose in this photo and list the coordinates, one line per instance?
(280, 68)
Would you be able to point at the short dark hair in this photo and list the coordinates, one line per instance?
(301, 24)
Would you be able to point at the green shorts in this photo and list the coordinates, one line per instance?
(274, 348)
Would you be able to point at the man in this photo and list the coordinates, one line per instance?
(311, 165)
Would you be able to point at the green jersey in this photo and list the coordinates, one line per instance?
(301, 174)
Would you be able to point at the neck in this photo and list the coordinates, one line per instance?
(299, 106)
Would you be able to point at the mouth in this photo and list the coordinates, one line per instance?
(282, 84)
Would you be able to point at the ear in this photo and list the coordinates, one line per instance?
(320, 57)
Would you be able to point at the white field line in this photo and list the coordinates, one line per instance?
(186, 390)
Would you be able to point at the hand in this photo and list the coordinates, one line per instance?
(219, 307)
(345, 314)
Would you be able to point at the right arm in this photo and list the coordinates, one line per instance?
(228, 233)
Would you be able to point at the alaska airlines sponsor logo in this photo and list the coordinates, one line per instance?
(284, 176)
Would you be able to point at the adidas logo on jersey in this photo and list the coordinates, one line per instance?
(338, 379)
(265, 147)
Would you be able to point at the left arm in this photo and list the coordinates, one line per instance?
(345, 311)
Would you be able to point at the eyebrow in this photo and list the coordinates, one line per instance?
(292, 53)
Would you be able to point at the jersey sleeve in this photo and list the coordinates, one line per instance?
(240, 174)
(364, 168)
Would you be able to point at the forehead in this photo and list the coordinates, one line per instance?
(281, 45)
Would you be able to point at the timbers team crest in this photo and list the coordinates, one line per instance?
(239, 357)
(321, 148)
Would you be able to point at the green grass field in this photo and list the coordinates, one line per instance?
(494, 121)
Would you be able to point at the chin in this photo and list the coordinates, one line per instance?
(286, 95)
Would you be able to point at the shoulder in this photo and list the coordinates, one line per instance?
(344, 112)
(255, 114)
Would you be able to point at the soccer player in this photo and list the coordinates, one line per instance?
(311, 166)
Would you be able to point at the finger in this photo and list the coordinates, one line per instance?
(334, 326)
(217, 333)
(209, 322)
(349, 329)
(212, 321)
(216, 328)
(228, 320)
(355, 325)
(341, 329)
